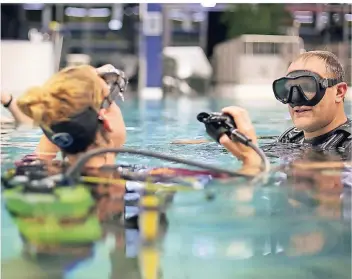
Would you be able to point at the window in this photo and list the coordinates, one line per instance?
(248, 48)
(266, 48)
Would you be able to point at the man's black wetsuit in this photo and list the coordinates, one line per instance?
(339, 138)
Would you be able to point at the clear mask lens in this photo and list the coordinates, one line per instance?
(307, 84)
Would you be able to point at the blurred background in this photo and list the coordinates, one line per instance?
(171, 49)
(204, 57)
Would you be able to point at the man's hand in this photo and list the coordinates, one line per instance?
(244, 125)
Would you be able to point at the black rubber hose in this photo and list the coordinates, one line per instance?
(74, 171)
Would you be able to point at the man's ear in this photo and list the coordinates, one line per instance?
(341, 92)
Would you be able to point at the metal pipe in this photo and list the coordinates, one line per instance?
(167, 31)
(46, 16)
(204, 31)
(346, 10)
(141, 49)
(327, 37)
(86, 35)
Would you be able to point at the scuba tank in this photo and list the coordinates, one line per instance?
(46, 212)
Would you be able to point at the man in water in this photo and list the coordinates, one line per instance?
(314, 89)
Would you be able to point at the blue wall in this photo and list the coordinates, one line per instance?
(153, 53)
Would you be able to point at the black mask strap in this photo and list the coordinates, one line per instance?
(323, 82)
(76, 134)
(329, 82)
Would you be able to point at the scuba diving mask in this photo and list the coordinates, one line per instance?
(117, 82)
(302, 88)
(76, 134)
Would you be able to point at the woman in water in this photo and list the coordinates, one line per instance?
(68, 108)
(40, 98)
(75, 91)
(70, 105)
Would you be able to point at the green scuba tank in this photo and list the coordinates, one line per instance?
(54, 215)
(68, 202)
(50, 230)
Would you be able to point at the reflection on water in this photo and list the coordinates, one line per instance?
(297, 225)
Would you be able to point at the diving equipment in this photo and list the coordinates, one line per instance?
(339, 138)
(46, 212)
(76, 134)
(302, 88)
(117, 81)
(79, 131)
(218, 124)
(73, 173)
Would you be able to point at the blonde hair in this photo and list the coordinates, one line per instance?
(66, 93)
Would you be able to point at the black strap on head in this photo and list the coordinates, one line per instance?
(324, 82)
(76, 134)
(329, 82)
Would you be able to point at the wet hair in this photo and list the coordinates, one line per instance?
(332, 63)
(68, 92)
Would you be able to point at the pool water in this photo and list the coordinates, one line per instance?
(244, 233)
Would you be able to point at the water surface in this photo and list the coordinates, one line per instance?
(289, 231)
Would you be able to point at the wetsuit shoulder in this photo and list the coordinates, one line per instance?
(291, 135)
(343, 137)
(340, 138)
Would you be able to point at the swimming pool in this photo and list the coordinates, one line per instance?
(198, 249)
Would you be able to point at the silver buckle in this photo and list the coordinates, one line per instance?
(325, 83)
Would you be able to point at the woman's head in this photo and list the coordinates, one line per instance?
(70, 91)
(67, 107)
